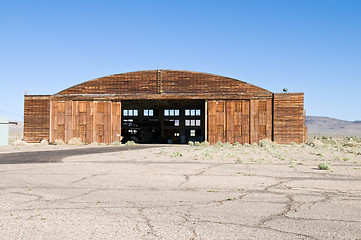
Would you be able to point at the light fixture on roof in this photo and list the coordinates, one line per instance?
(285, 90)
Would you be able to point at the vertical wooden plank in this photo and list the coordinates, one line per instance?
(68, 121)
(212, 121)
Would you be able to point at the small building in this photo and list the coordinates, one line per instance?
(4, 131)
(165, 106)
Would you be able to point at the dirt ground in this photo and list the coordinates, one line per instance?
(264, 191)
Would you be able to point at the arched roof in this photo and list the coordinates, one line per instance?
(165, 82)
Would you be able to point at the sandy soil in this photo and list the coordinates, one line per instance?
(188, 192)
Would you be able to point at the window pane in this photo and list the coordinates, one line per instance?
(150, 112)
(193, 112)
(188, 122)
(193, 122)
(125, 112)
(171, 112)
(135, 112)
(176, 123)
(198, 123)
(146, 113)
(176, 112)
(166, 112)
(198, 112)
(188, 113)
(193, 133)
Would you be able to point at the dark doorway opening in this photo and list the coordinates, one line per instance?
(163, 121)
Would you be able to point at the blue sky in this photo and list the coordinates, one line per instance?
(310, 46)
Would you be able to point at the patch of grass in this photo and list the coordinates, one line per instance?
(346, 159)
(176, 154)
(213, 191)
(323, 166)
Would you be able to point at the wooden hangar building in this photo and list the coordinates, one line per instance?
(165, 106)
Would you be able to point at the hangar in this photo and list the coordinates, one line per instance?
(165, 106)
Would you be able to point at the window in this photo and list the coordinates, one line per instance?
(130, 112)
(132, 131)
(192, 133)
(176, 123)
(171, 112)
(128, 122)
(176, 134)
(148, 113)
(192, 123)
(192, 112)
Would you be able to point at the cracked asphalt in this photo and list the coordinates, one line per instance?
(156, 194)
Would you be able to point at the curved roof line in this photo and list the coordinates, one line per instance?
(137, 75)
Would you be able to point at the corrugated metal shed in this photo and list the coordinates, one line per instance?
(4, 131)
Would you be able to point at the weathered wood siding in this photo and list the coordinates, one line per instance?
(288, 118)
(36, 118)
(92, 121)
(243, 121)
(165, 82)
(237, 111)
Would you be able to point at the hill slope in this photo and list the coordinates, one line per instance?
(324, 126)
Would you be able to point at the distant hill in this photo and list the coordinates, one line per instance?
(331, 127)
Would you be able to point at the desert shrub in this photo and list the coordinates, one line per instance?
(205, 143)
(247, 145)
(239, 160)
(323, 166)
(190, 143)
(196, 143)
(237, 144)
(265, 143)
(130, 143)
(115, 143)
(219, 144)
(59, 142)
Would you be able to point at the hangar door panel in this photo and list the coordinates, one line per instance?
(228, 121)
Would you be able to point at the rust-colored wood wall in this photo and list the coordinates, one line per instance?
(163, 81)
(243, 121)
(288, 118)
(36, 118)
(89, 120)
(237, 111)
